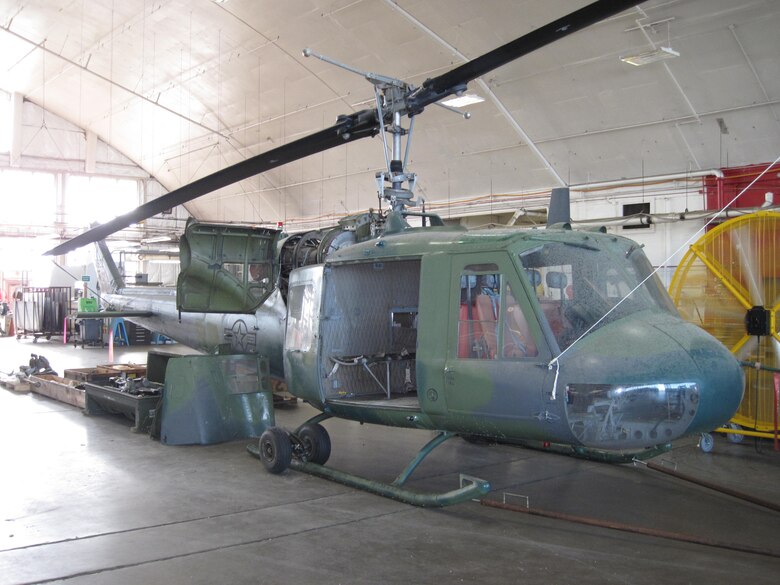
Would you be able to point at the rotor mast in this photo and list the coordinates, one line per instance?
(394, 185)
(390, 183)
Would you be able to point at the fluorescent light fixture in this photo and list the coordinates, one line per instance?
(156, 239)
(651, 56)
(464, 100)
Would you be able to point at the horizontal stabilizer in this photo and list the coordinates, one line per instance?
(112, 314)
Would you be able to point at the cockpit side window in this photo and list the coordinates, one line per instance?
(553, 287)
(518, 342)
(491, 323)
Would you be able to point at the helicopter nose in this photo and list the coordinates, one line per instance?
(646, 380)
(720, 378)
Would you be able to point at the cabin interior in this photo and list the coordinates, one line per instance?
(369, 331)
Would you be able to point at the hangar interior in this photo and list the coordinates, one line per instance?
(662, 120)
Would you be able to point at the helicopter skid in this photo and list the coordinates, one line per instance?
(471, 487)
(616, 457)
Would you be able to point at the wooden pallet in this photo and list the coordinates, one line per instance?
(13, 383)
(281, 396)
(97, 375)
(130, 370)
(60, 389)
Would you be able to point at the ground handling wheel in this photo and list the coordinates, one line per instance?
(275, 449)
(706, 442)
(315, 443)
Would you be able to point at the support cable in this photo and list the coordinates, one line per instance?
(555, 362)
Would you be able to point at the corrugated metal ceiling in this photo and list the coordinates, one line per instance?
(186, 88)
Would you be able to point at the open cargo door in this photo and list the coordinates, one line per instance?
(225, 268)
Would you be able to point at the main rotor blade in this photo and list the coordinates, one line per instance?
(349, 128)
(360, 124)
(455, 80)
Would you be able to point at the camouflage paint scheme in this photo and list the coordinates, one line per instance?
(649, 355)
(641, 378)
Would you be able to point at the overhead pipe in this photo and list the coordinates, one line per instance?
(717, 173)
(657, 218)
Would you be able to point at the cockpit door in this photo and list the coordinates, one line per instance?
(495, 370)
(225, 268)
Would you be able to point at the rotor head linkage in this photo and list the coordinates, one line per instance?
(391, 95)
(374, 78)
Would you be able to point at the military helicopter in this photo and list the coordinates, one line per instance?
(551, 337)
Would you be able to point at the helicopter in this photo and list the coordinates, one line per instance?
(554, 338)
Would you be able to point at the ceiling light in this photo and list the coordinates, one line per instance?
(156, 239)
(463, 100)
(651, 56)
(650, 25)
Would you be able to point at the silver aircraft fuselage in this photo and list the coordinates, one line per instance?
(261, 332)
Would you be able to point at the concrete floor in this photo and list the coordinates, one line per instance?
(84, 500)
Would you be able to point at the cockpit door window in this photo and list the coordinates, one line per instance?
(491, 322)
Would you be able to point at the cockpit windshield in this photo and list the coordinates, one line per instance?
(579, 282)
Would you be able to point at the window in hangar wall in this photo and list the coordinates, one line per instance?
(28, 210)
(28, 197)
(5, 122)
(91, 199)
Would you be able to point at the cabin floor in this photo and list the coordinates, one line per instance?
(84, 500)
(381, 401)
